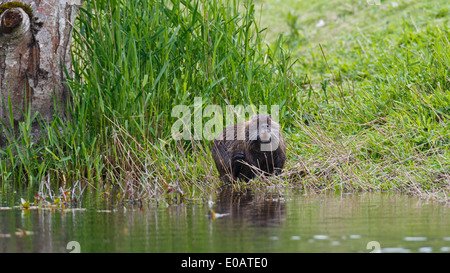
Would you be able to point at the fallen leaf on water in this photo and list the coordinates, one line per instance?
(22, 232)
(218, 215)
(215, 215)
(24, 204)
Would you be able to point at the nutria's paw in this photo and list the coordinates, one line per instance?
(238, 156)
(236, 165)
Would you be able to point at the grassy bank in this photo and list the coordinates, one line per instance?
(367, 109)
(375, 107)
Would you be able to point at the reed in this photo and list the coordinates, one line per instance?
(133, 62)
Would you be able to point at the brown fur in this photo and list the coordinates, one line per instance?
(239, 158)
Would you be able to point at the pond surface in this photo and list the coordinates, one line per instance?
(248, 222)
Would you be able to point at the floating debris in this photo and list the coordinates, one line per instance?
(44, 206)
(215, 215)
(395, 250)
(415, 239)
(426, 249)
(23, 232)
(76, 209)
(24, 204)
(335, 243)
(106, 210)
(19, 233)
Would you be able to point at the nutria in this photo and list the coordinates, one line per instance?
(246, 149)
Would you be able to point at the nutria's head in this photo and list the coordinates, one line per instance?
(263, 133)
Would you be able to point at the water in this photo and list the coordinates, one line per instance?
(364, 222)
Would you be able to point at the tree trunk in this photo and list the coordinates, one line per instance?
(35, 39)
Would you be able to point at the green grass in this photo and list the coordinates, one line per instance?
(133, 62)
(375, 105)
(364, 99)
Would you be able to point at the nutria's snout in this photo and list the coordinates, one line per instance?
(260, 128)
(264, 137)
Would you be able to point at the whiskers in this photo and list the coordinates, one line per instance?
(270, 146)
(252, 135)
(273, 144)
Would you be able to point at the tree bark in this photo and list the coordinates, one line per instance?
(34, 58)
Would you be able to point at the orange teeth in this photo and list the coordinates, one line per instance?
(265, 136)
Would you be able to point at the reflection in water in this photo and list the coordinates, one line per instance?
(34, 230)
(263, 210)
(250, 222)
